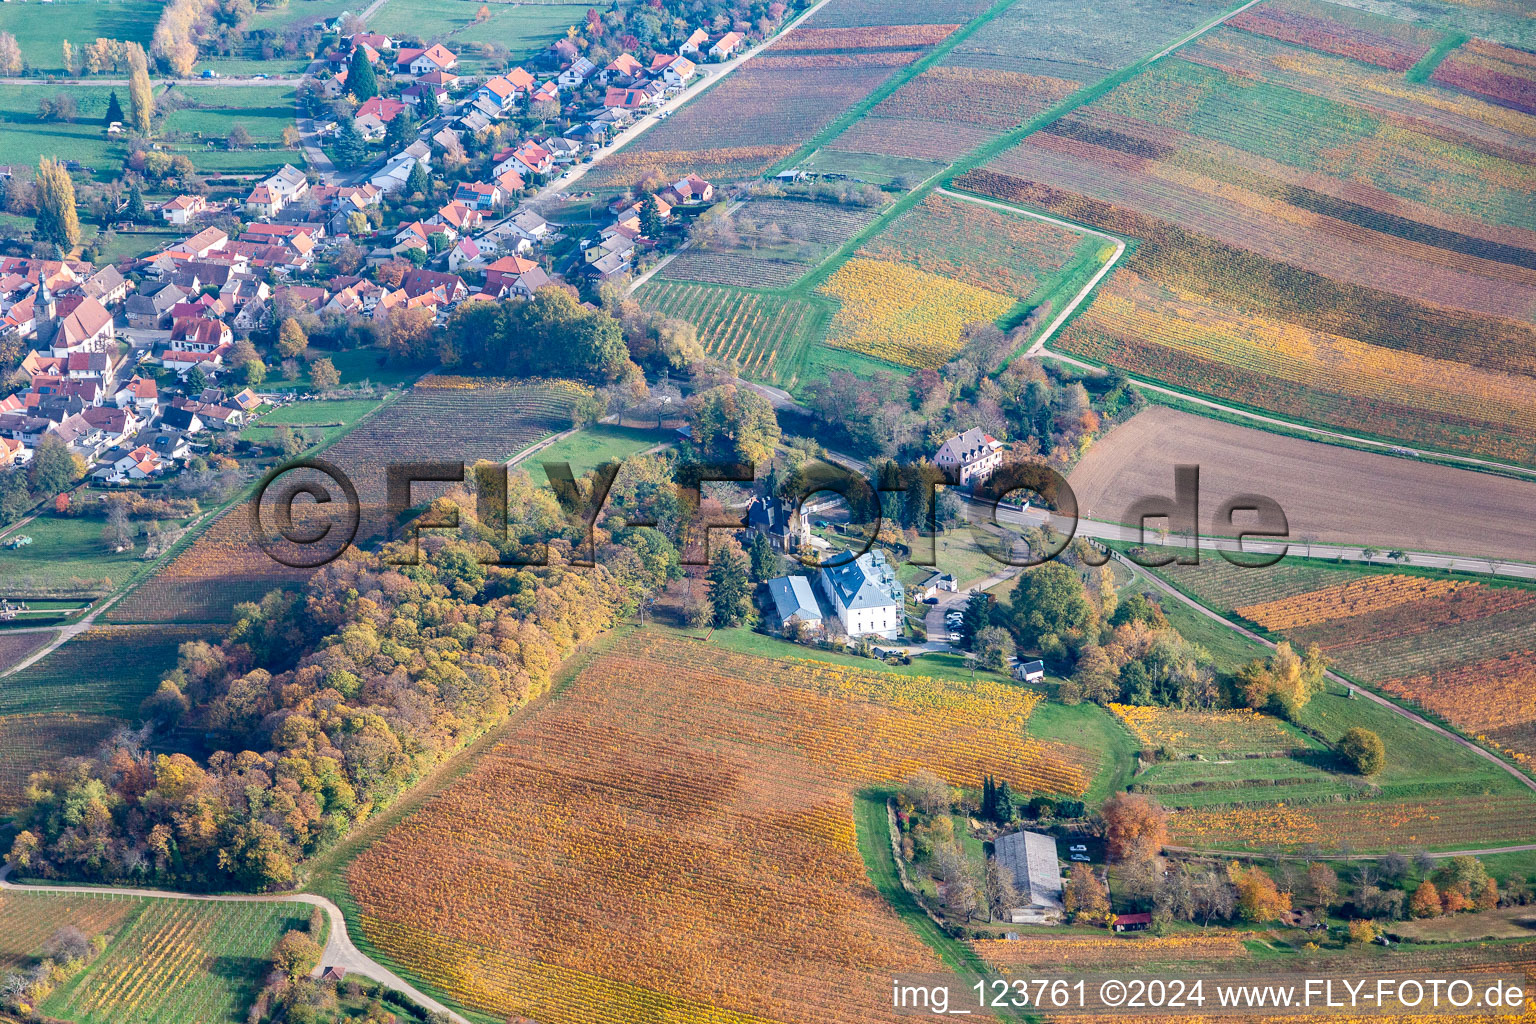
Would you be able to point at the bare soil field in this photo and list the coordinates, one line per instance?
(16, 646)
(1329, 493)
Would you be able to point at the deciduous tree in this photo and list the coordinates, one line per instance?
(141, 95)
(1085, 897)
(57, 220)
(1135, 826)
(1363, 751)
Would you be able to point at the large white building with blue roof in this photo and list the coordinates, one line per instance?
(865, 595)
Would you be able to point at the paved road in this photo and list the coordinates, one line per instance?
(1251, 855)
(339, 949)
(1414, 717)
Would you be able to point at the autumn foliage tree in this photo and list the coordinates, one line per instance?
(1259, 899)
(1284, 682)
(141, 94)
(1085, 897)
(1425, 901)
(1135, 826)
(57, 220)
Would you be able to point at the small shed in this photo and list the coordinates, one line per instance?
(1131, 922)
(1030, 671)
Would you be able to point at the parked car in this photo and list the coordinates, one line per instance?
(955, 638)
(930, 600)
(1079, 848)
(1083, 857)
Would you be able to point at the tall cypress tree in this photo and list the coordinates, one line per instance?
(361, 81)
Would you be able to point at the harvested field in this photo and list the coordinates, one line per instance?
(14, 647)
(976, 245)
(440, 418)
(870, 37)
(1207, 733)
(1347, 600)
(983, 97)
(1371, 40)
(1315, 235)
(873, 13)
(747, 122)
(1065, 40)
(1495, 73)
(105, 671)
(706, 798)
(910, 137)
(1090, 952)
(775, 241)
(1493, 699)
(28, 920)
(1333, 494)
(731, 268)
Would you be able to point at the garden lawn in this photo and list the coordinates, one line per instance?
(592, 446)
(328, 420)
(66, 556)
(214, 111)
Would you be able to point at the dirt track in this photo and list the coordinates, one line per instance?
(1329, 493)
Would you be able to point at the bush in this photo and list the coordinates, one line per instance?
(1363, 751)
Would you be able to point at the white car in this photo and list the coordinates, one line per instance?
(955, 638)
(1082, 857)
(1079, 848)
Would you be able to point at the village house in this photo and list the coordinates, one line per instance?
(576, 73)
(634, 97)
(206, 241)
(449, 287)
(149, 308)
(675, 70)
(865, 595)
(1030, 671)
(689, 191)
(624, 69)
(477, 195)
(727, 45)
(436, 57)
(1031, 858)
(412, 95)
(794, 598)
(277, 190)
(693, 42)
(968, 459)
(89, 325)
(182, 210)
(465, 252)
(142, 394)
(513, 275)
(107, 286)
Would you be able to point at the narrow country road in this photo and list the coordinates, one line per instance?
(66, 634)
(1444, 855)
(339, 949)
(1414, 717)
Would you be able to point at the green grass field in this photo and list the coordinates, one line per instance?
(1094, 729)
(40, 29)
(24, 138)
(212, 112)
(326, 421)
(179, 962)
(66, 557)
(592, 446)
(522, 28)
(1245, 781)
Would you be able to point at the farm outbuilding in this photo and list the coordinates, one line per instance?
(1032, 860)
